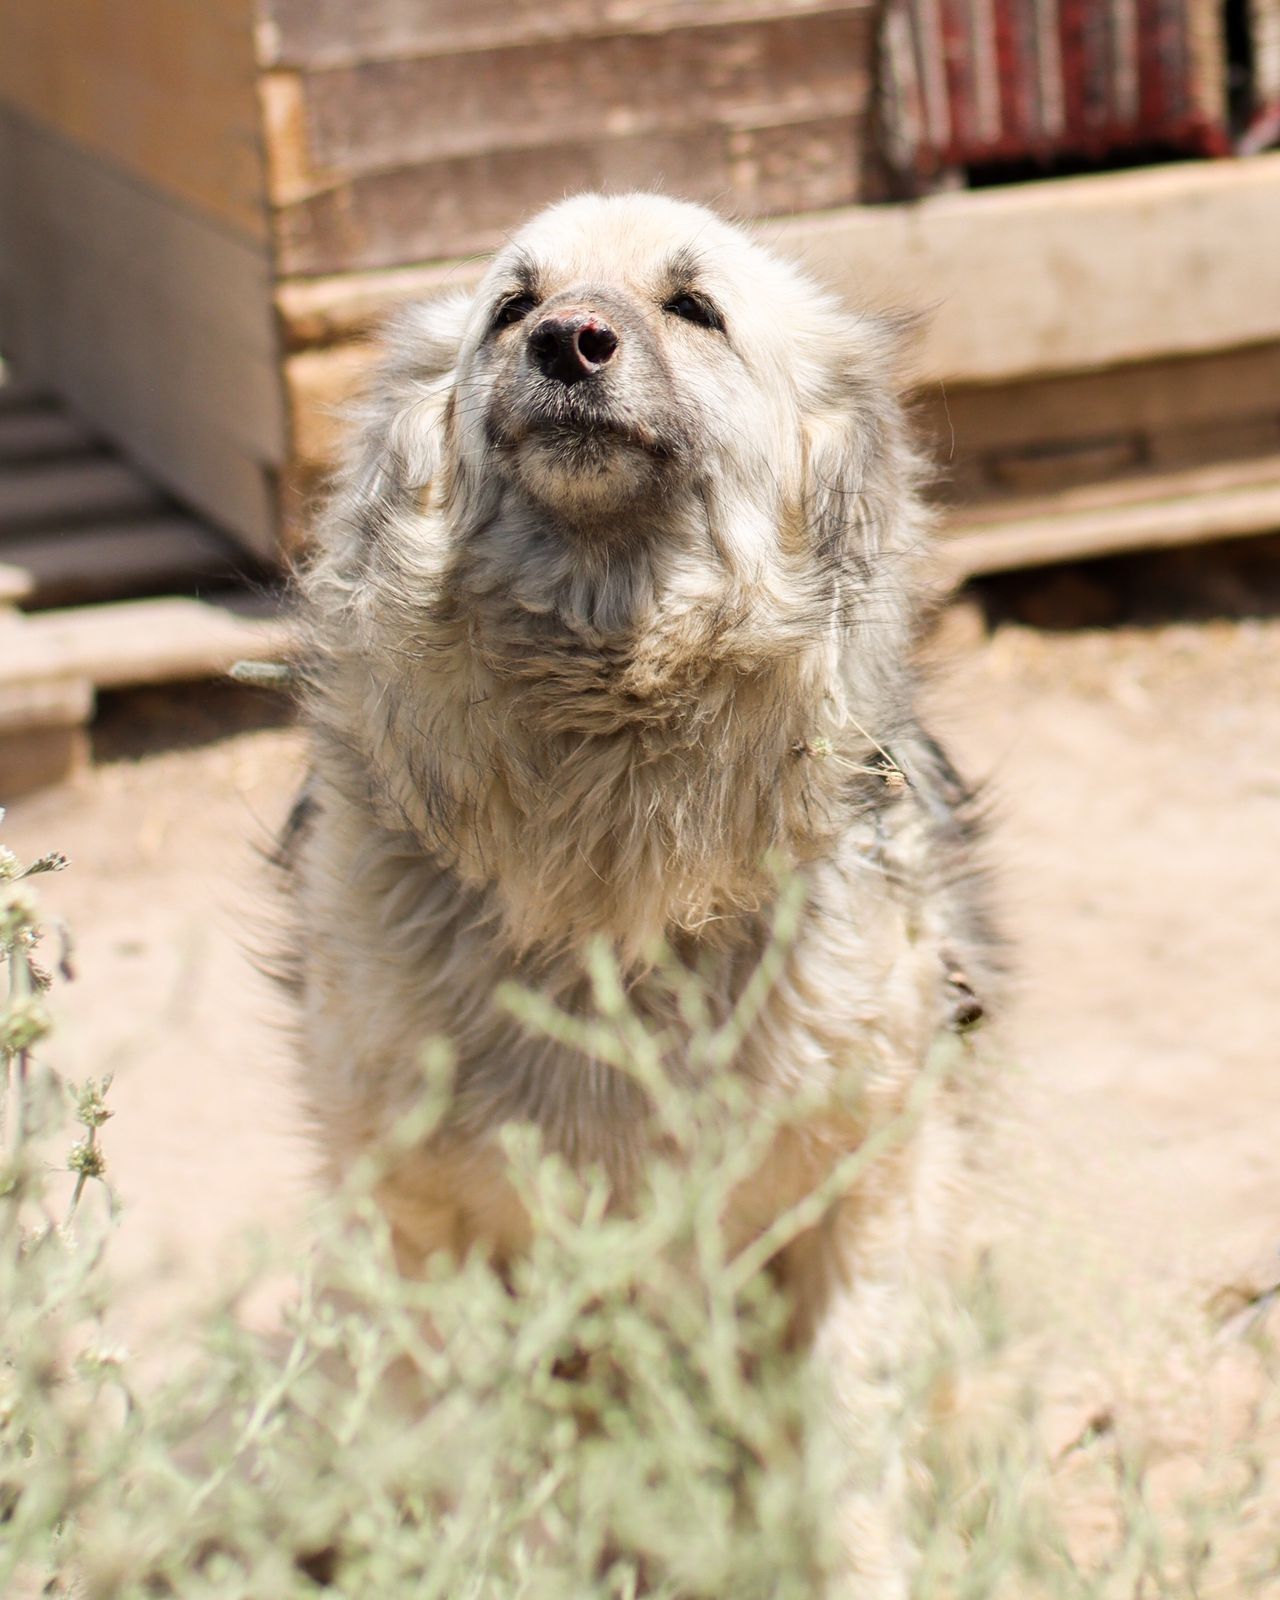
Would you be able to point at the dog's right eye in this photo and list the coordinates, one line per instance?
(516, 309)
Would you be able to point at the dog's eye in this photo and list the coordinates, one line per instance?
(516, 309)
(693, 308)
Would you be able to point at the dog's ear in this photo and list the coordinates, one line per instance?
(860, 472)
(404, 414)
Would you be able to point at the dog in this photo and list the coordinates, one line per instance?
(610, 629)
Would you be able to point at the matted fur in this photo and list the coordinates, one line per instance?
(599, 661)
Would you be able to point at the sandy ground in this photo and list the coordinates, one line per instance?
(1133, 771)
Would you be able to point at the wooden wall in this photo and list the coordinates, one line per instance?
(401, 132)
(161, 89)
(136, 275)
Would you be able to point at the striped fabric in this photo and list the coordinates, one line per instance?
(982, 82)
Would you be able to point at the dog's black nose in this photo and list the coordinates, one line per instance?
(572, 344)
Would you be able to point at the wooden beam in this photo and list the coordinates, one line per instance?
(422, 110)
(152, 641)
(334, 33)
(1065, 275)
(1158, 509)
(470, 202)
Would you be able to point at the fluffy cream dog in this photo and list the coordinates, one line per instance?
(612, 622)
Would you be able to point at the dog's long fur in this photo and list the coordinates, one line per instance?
(598, 661)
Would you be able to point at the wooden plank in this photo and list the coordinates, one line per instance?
(330, 33)
(66, 493)
(351, 305)
(470, 204)
(1175, 509)
(321, 385)
(166, 89)
(1150, 397)
(154, 641)
(408, 113)
(115, 560)
(33, 434)
(1065, 275)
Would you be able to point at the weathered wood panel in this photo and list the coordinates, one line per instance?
(1067, 275)
(326, 33)
(470, 204)
(1175, 508)
(411, 113)
(164, 88)
(1151, 397)
(156, 325)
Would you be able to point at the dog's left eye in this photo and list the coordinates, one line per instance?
(514, 310)
(693, 308)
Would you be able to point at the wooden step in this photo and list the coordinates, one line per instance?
(112, 561)
(155, 641)
(53, 663)
(36, 433)
(71, 492)
(1148, 510)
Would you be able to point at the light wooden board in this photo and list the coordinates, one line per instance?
(418, 112)
(330, 33)
(15, 585)
(151, 641)
(1066, 275)
(1220, 502)
(165, 89)
(472, 202)
(1148, 397)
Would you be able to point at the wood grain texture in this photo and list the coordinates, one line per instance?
(1158, 509)
(1077, 295)
(327, 33)
(469, 204)
(166, 89)
(1077, 273)
(399, 114)
(1151, 397)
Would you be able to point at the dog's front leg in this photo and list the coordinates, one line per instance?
(850, 1284)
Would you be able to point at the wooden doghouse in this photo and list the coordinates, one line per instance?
(206, 205)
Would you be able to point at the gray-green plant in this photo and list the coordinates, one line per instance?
(618, 1414)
